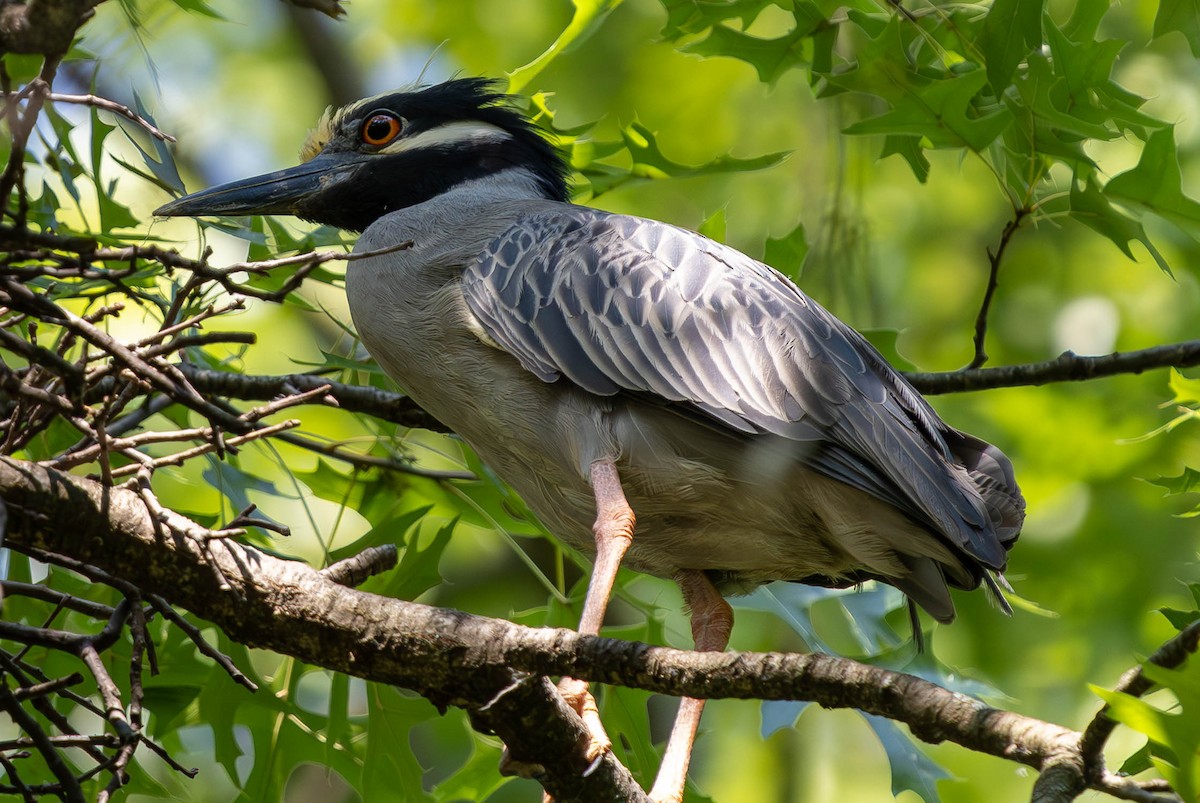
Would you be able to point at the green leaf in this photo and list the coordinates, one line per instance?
(1176, 731)
(338, 733)
(475, 780)
(1182, 16)
(1012, 29)
(771, 58)
(390, 771)
(650, 162)
(882, 65)
(588, 17)
(236, 484)
(786, 254)
(1179, 619)
(388, 528)
(1186, 483)
(1185, 388)
(1090, 206)
(199, 7)
(909, 149)
(714, 226)
(696, 16)
(792, 603)
(1048, 96)
(1156, 183)
(885, 341)
(939, 112)
(418, 569)
(1139, 761)
(912, 770)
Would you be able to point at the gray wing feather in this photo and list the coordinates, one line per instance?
(616, 303)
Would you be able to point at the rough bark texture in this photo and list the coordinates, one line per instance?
(492, 668)
(42, 26)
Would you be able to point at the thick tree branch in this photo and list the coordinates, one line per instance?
(293, 609)
(44, 27)
(454, 658)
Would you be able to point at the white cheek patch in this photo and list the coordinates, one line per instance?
(456, 133)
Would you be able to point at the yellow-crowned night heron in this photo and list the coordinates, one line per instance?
(607, 365)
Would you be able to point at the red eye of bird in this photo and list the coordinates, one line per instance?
(380, 129)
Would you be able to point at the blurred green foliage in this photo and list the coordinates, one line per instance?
(772, 125)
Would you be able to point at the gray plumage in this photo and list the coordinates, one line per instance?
(755, 436)
(758, 438)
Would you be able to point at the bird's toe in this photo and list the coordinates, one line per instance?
(576, 694)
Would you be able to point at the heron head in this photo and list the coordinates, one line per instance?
(389, 152)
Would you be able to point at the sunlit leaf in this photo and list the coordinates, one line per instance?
(771, 58)
(1156, 183)
(1182, 16)
(588, 17)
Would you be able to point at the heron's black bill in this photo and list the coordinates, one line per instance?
(284, 192)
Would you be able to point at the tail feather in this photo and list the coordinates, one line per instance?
(992, 474)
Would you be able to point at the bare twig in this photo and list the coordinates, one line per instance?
(13, 588)
(1067, 367)
(49, 687)
(981, 320)
(115, 108)
(191, 631)
(371, 461)
(179, 458)
(67, 782)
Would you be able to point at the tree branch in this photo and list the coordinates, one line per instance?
(981, 320)
(455, 658)
(399, 409)
(1067, 367)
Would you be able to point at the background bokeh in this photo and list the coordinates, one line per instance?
(239, 84)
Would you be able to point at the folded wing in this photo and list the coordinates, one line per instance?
(615, 303)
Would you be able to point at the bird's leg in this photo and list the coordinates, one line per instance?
(614, 533)
(712, 620)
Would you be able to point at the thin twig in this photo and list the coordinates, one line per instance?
(371, 461)
(115, 108)
(49, 687)
(192, 632)
(981, 320)
(179, 458)
(71, 790)
(13, 588)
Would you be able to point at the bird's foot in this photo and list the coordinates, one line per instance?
(576, 694)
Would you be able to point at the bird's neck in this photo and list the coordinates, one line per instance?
(513, 184)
